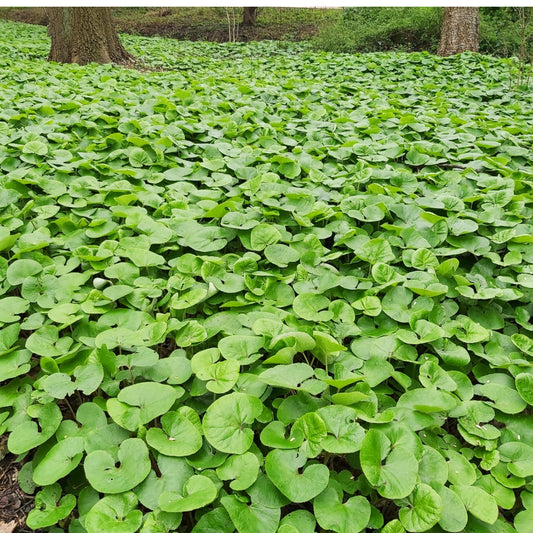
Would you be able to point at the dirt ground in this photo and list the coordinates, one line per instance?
(14, 503)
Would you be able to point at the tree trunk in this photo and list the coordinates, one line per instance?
(84, 35)
(249, 16)
(460, 31)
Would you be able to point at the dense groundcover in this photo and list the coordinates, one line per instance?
(266, 290)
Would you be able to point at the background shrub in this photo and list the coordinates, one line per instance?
(503, 30)
(372, 29)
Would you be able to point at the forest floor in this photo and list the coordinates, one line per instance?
(14, 503)
(205, 23)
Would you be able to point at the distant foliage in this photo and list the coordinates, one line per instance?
(373, 29)
(503, 30)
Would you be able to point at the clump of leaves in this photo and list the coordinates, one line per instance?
(278, 299)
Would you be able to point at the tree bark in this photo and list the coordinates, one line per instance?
(249, 16)
(460, 31)
(84, 35)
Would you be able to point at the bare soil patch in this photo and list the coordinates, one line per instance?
(14, 503)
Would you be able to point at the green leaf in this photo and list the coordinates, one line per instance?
(454, 516)
(273, 436)
(21, 269)
(301, 520)
(524, 386)
(197, 492)
(59, 461)
(416, 158)
(376, 251)
(242, 348)
(287, 376)
(173, 474)
(11, 307)
(177, 437)
(46, 342)
(478, 503)
(15, 364)
(522, 521)
(393, 471)
(35, 147)
(249, 518)
(49, 508)
(262, 236)
(396, 304)
(138, 404)
(370, 305)
(281, 255)
(58, 385)
(215, 521)
(428, 400)
(138, 157)
(29, 434)
(133, 467)
(333, 514)
(433, 468)
(519, 457)
(242, 469)
(424, 510)
(283, 468)
(424, 259)
(460, 470)
(394, 526)
(345, 435)
(114, 513)
(312, 307)
(226, 421)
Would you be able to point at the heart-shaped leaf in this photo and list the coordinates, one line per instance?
(197, 492)
(242, 469)
(312, 307)
(22, 269)
(226, 419)
(49, 508)
(344, 434)
(134, 465)
(215, 521)
(114, 513)
(283, 469)
(262, 235)
(250, 518)
(301, 521)
(242, 348)
(140, 403)
(14, 364)
(392, 470)
(274, 436)
(333, 514)
(424, 510)
(177, 436)
(454, 516)
(29, 434)
(519, 457)
(174, 473)
(478, 502)
(287, 376)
